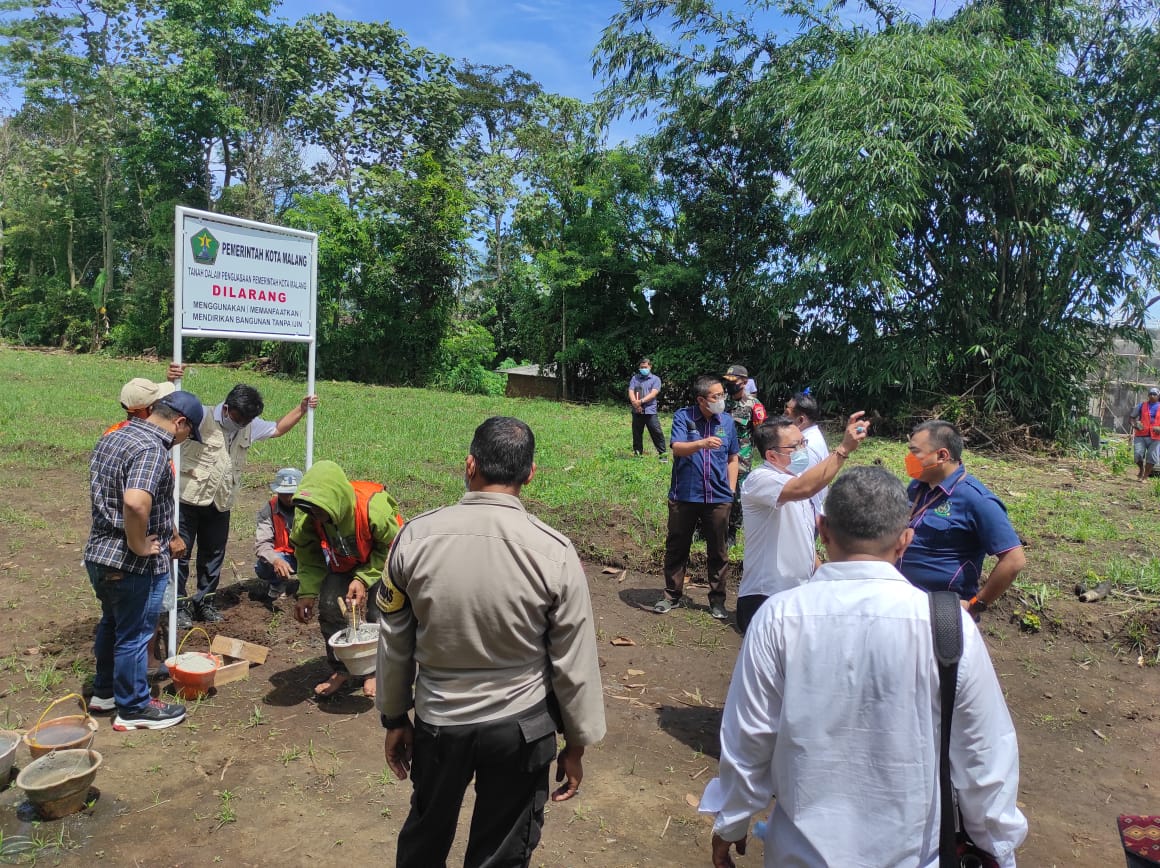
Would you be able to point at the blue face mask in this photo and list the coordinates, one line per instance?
(799, 462)
(644, 372)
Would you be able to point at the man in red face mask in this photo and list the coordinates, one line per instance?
(957, 522)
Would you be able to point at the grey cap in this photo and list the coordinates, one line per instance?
(1154, 391)
(287, 481)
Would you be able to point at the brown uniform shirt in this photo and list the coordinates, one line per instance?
(492, 608)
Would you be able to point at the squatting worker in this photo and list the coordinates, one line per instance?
(341, 537)
(779, 516)
(275, 564)
(705, 467)
(747, 413)
(957, 522)
(491, 606)
(834, 706)
(1146, 434)
(127, 555)
(211, 475)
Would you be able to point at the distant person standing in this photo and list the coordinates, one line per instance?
(747, 413)
(643, 388)
(211, 475)
(1146, 434)
(704, 477)
(803, 409)
(127, 555)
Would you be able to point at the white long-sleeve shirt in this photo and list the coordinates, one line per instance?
(834, 707)
(779, 537)
(818, 452)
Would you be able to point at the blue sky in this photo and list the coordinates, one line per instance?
(551, 40)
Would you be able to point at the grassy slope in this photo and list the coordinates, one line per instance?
(1076, 516)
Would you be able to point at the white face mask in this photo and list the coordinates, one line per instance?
(717, 406)
(799, 462)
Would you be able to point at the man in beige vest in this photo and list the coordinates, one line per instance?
(211, 474)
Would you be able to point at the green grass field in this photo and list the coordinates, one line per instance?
(1078, 516)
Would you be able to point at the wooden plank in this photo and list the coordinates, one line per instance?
(233, 670)
(229, 647)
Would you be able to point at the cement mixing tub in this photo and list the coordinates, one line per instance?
(71, 732)
(58, 784)
(9, 741)
(359, 653)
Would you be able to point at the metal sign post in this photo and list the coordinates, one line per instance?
(241, 280)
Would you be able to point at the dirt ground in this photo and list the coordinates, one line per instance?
(262, 773)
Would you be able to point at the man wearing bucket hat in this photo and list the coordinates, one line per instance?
(341, 536)
(131, 486)
(276, 564)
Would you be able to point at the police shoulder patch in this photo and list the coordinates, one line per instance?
(389, 599)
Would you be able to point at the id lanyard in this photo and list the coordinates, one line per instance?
(917, 511)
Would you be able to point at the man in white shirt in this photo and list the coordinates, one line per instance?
(834, 706)
(803, 409)
(777, 514)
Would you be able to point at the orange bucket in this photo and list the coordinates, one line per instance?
(71, 732)
(193, 672)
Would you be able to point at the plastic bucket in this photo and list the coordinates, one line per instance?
(71, 732)
(193, 672)
(58, 784)
(360, 655)
(9, 741)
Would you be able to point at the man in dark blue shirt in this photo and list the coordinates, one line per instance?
(643, 388)
(957, 522)
(705, 465)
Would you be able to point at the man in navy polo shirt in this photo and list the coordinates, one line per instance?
(643, 388)
(705, 464)
(957, 522)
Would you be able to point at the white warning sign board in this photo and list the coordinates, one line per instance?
(242, 279)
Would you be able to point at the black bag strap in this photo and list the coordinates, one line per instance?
(947, 628)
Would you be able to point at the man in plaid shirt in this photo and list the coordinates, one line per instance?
(131, 484)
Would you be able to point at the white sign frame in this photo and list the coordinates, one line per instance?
(278, 249)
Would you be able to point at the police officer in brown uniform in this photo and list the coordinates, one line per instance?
(491, 607)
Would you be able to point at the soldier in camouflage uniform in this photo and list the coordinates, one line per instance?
(747, 413)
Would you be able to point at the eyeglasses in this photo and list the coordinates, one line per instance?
(715, 397)
(794, 448)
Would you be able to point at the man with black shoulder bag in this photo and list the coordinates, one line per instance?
(836, 705)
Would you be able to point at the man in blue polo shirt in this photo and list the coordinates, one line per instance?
(705, 465)
(957, 522)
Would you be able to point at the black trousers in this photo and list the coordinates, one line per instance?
(639, 422)
(209, 530)
(747, 607)
(509, 759)
(684, 516)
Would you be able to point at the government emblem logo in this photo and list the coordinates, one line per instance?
(204, 247)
